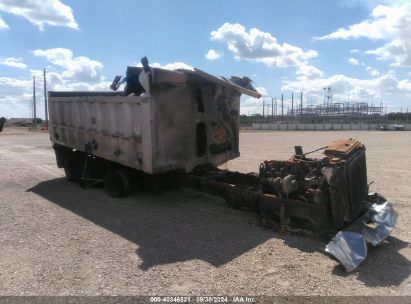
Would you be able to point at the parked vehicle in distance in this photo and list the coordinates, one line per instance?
(2, 122)
(384, 128)
(399, 127)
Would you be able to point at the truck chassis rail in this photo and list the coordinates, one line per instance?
(240, 190)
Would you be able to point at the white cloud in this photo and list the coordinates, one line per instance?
(172, 66)
(13, 62)
(396, 50)
(372, 71)
(354, 51)
(57, 56)
(368, 4)
(3, 24)
(59, 81)
(15, 96)
(15, 106)
(381, 25)
(251, 105)
(7, 84)
(40, 13)
(212, 55)
(79, 69)
(169, 66)
(259, 46)
(67, 73)
(388, 23)
(262, 91)
(353, 61)
(305, 71)
(383, 87)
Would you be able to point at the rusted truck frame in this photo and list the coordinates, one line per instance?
(329, 192)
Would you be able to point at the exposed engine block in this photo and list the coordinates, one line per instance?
(338, 180)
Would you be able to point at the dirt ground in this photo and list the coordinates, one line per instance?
(58, 239)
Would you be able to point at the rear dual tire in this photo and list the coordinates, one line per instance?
(117, 183)
(73, 168)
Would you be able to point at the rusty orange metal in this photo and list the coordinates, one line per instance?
(342, 148)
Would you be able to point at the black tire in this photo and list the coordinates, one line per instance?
(117, 183)
(233, 199)
(73, 169)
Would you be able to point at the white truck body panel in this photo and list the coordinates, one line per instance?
(175, 127)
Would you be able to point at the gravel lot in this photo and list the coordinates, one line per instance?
(58, 239)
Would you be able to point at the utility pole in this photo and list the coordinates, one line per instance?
(292, 104)
(301, 106)
(268, 110)
(272, 110)
(45, 100)
(263, 107)
(282, 106)
(301, 103)
(34, 102)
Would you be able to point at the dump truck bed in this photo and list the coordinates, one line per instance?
(178, 126)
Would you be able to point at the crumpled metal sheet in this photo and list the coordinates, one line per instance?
(350, 246)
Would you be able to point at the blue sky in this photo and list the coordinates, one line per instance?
(361, 48)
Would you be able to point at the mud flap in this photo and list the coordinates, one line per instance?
(350, 246)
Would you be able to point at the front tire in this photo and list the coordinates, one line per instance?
(73, 169)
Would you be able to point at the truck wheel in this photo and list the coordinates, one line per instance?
(117, 183)
(233, 199)
(73, 170)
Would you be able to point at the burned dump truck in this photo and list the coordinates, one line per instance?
(171, 128)
(164, 121)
